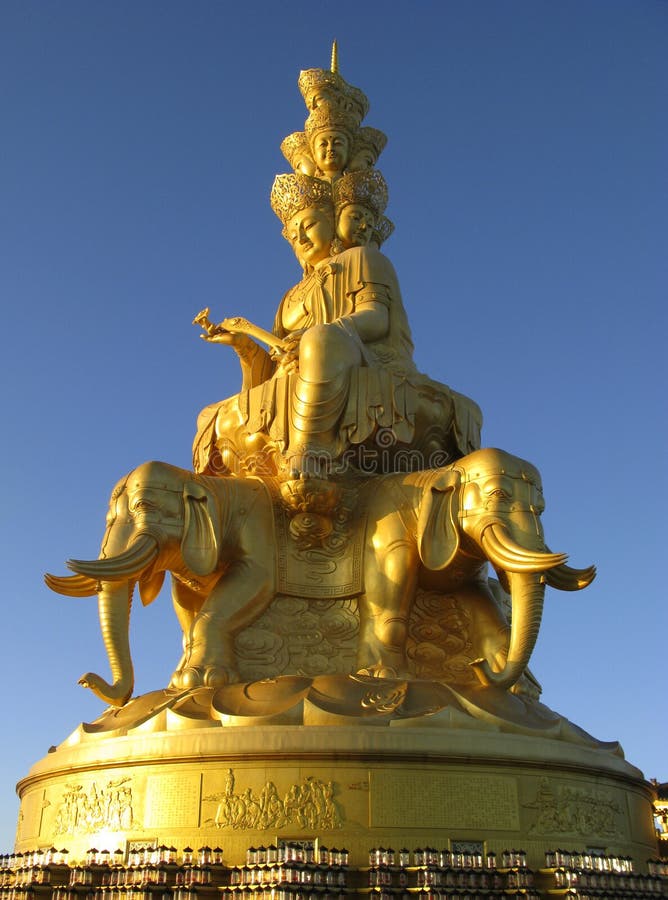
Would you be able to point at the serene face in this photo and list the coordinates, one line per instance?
(323, 96)
(310, 232)
(330, 151)
(363, 159)
(304, 164)
(355, 225)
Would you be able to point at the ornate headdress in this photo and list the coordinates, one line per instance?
(382, 231)
(292, 193)
(295, 148)
(330, 100)
(367, 187)
(320, 87)
(328, 117)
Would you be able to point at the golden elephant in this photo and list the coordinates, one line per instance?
(437, 529)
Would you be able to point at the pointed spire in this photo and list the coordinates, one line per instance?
(335, 57)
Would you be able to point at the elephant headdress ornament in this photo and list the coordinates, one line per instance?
(284, 501)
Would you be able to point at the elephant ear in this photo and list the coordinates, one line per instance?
(200, 543)
(149, 587)
(437, 528)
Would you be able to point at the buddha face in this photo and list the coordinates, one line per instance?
(304, 164)
(363, 159)
(355, 225)
(310, 233)
(330, 151)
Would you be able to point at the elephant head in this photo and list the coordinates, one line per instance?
(159, 519)
(488, 505)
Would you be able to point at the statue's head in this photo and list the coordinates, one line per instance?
(359, 201)
(335, 111)
(355, 225)
(295, 148)
(330, 149)
(329, 133)
(304, 206)
(326, 88)
(368, 144)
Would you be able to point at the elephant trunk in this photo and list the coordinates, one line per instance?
(527, 592)
(114, 602)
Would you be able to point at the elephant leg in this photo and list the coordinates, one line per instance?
(239, 597)
(187, 603)
(390, 583)
(489, 625)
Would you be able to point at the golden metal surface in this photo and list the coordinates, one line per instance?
(340, 497)
(235, 787)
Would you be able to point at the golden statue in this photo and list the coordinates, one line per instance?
(339, 474)
(330, 558)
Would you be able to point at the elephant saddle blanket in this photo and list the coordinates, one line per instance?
(320, 530)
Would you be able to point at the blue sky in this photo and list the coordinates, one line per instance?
(527, 172)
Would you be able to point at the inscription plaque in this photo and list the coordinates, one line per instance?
(444, 801)
(173, 801)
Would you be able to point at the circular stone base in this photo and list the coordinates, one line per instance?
(411, 783)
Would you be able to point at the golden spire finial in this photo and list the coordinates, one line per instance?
(335, 57)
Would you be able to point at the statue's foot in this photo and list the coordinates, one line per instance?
(203, 676)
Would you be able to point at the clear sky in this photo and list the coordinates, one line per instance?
(528, 182)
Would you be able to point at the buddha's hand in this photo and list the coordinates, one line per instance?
(287, 359)
(233, 339)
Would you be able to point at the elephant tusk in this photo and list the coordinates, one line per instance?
(121, 567)
(565, 578)
(505, 553)
(72, 585)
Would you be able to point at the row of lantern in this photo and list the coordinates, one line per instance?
(457, 894)
(297, 852)
(286, 892)
(622, 883)
(288, 873)
(587, 861)
(658, 867)
(137, 856)
(458, 859)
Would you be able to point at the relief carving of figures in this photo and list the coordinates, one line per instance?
(308, 805)
(571, 811)
(85, 811)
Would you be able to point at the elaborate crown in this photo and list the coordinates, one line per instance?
(292, 193)
(295, 148)
(367, 187)
(330, 100)
(320, 87)
(330, 117)
(382, 231)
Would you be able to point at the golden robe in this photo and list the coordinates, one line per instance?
(399, 416)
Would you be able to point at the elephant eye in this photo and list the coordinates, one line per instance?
(500, 494)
